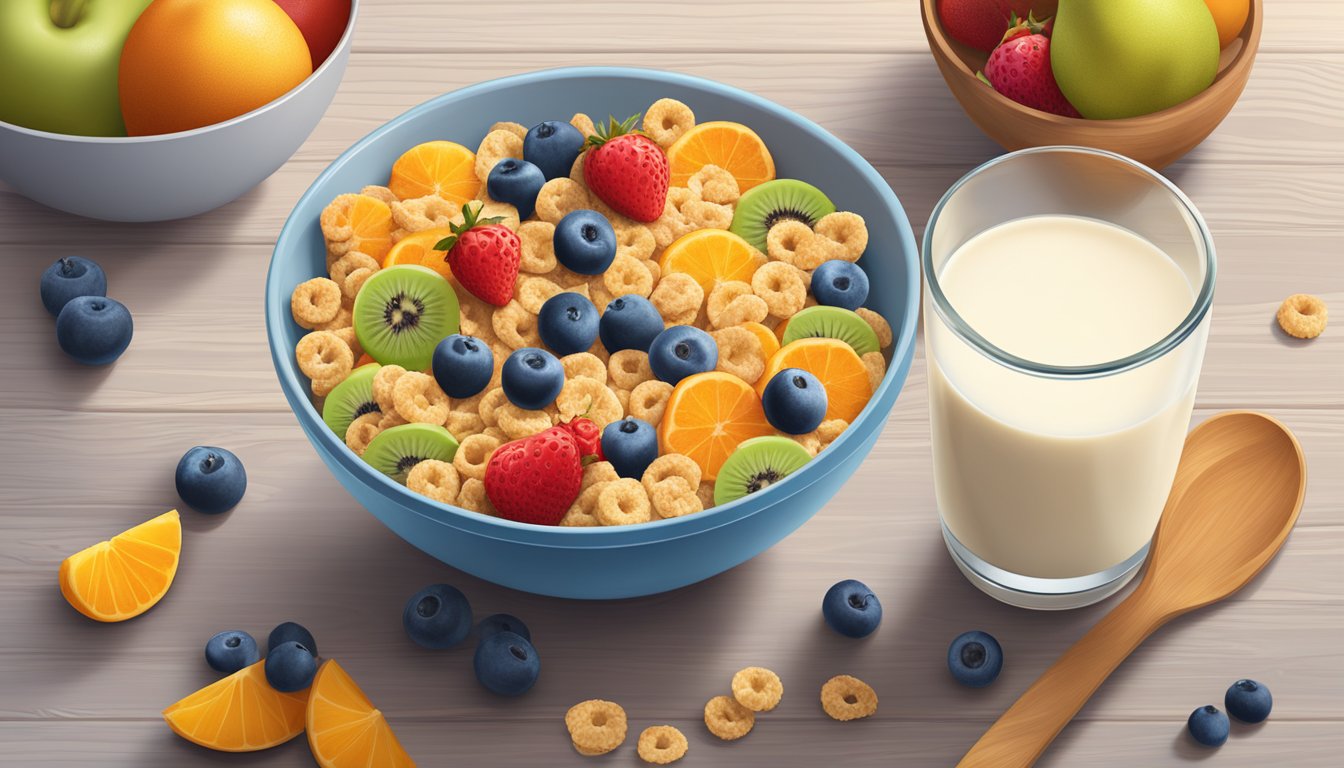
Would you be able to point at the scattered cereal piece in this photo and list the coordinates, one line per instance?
(343, 319)
(876, 365)
(597, 472)
(1302, 316)
(473, 455)
(515, 326)
(560, 197)
(816, 251)
(384, 385)
(533, 292)
(648, 400)
(583, 396)
(518, 423)
(352, 260)
(584, 123)
(782, 288)
(315, 302)
(623, 502)
(846, 229)
(706, 215)
(627, 275)
(848, 698)
(322, 355)
(584, 364)
(496, 433)
(496, 146)
(629, 368)
(666, 120)
(429, 212)
(636, 241)
(537, 245)
(879, 325)
(672, 481)
(714, 185)
(490, 403)
(472, 497)
(518, 129)
(436, 479)
(418, 399)
(678, 297)
(830, 429)
(721, 296)
(757, 689)
(740, 352)
(351, 340)
(661, 744)
(596, 726)
(785, 238)
(741, 310)
(728, 719)
(363, 429)
(354, 281)
(655, 269)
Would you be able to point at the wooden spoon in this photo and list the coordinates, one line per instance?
(1236, 496)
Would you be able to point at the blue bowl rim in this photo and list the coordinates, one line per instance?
(595, 537)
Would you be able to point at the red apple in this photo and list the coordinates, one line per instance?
(322, 23)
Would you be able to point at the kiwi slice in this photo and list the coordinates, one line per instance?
(402, 313)
(350, 399)
(395, 450)
(765, 205)
(757, 463)
(832, 323)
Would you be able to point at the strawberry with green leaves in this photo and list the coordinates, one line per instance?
(627, 170)
(483, 255)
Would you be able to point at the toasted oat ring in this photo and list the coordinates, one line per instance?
(315, 302)
(472, 497)
(436, 479)
(584, 123)
(341, 268)
(384, 385)
(323, 355)
(351, 340)
(560, 197)
(490, 209)
(808, 440)
(847, 229)
(830, 429)
(518, 423)
(380, 192)
(879, 325)
(583, 512)
(334, 222)
(623, 502)
(343, 319)
(627, 275)
(740, 353)
(636, 241)
(464, 421)
(722, 295)
(666, 120)
(705, 215)
(363, 429)
(597, 472)
(671, 465)
(536, 242)
(417, 214)
(848, 698)
(781, 286)
(706, 494)
(742, 310)
(785, 238)
(714, 185)
(629, 368)
(496, 146)
(661, 744)
(648, 401)
(515, 326)
(678, 297)
(584, 364)
(876, 364)
(518, 129)
(493, 398)
(596, 726)
(584, 396)
(473, 455)
(532, 293)
(418, 399)
(354, 282)
(757, 689)
(815, 252)
(1302, 316)
(728, 719)
(391, 419)
(674, 497)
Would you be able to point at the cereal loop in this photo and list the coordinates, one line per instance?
(315, 302)
(706, 493)
(722, 295)
(623, 502)
(830, 429)
(740, 353)
(582, 396)
(515, 326)
(648, 401)
(533, 292)
(661, 744)
(490, 404)
(781, 286)
(391, 419)
(584, 123)
(848, 698)
(473, 455)
(583, 512)
(678, 297)
(436, 479)
(419, 400)
(597, 472)
(363, 429)
(518, 423)
(379, 192)
(704, 215)
(727, 719)
(464, 421)
(814, 252)
(596, 726)
(671, 465)
(1302, 316)
(846, 229)
(496, 146)
(757, 689)
(384, 383)
(472, 497)
(785, 238)
(741, 310)
(354, 260)
(348, 336)
(537, 246)
(627, 275)
(635, 241)
(560, 197)
(876, 365)
(666, 120)
(629, 368)
(879, 325)
(354, 282)
(584, 364)
(322, 355)
(714, 185)
(429, 212)
(343, 319)
(517, 129)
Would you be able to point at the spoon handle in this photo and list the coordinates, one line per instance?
(1022, 733)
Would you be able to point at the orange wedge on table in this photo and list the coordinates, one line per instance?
(125, 576)
(707, 415)
(345, 730)
(731, 146)
(419, 249)
(712, 256)
(241, 713)
(835, 364)
(442, 168)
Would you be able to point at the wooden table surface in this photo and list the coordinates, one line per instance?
(87, 453)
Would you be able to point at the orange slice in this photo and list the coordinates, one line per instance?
(345, 730)
(241, 713)
(441, 168)
(712, 256)
(769, 341)
(123, 577)
(838, 367)
(731, 146)
(707, 415)
(370, 221)
(419, 249)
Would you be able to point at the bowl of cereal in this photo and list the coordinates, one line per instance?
(777, 258)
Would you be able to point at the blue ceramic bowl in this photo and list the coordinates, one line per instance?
(596, 563)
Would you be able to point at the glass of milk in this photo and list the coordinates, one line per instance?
(1066, 310)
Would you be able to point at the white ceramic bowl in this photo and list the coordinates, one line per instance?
(173, 175)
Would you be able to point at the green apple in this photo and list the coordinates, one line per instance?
(1124, 58)
(59, 61)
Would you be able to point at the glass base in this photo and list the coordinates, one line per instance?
(1042, 594)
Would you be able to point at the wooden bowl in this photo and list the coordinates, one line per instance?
(1155, 139)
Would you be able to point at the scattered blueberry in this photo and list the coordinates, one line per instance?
(1248, 701)
(1209, 726)
(532, 378)
(794, 401)
(553, 146)
(507, 664)
(437, 616)
(290, 667)
(291, 632)
(230, 651)
(463, 365)
(630, 445)
(851, 608)
(502, 622)
(585, 242)
(94, 330)
(69, 278)
(680, 351)
(975, 659)
(210, 480)
(568, 323)
(629, 322)
(517, 183)
(839, 283)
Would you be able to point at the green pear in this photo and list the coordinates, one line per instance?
(1123, 58)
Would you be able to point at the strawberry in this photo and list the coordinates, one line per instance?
(588, 436)
(483, 256)
(534, 480)
(980, 23)
(1019, 68)
(627, 170)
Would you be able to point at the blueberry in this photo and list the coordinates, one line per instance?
(532, 378)
(629, 322)
(94, 330)
(794, 401)
(507, 664)
(553, 146)
(290, 667)
(838, 283)
(69, 278)
(681, 351)
(210, 480)
(437, 616)
(462, 365)
(568, 323)
(517, 183)
(230, 651)
(1248, 701)
(851, 608)
(585, 242)
(630, 445)
(502, 622)
(291, 632)
(975, 659)
(1209, 726)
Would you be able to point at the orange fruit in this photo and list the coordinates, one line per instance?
(419, 249)
(440, 168)
(1229, 16)
(838, 367)
(241, 713)
(779, 332)
(123, 577)
(769, 341)
(707, 415)
(345, 729)
(370, 220)
(192, 63)
(712, 256)
(364, 360)
(731, 146)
